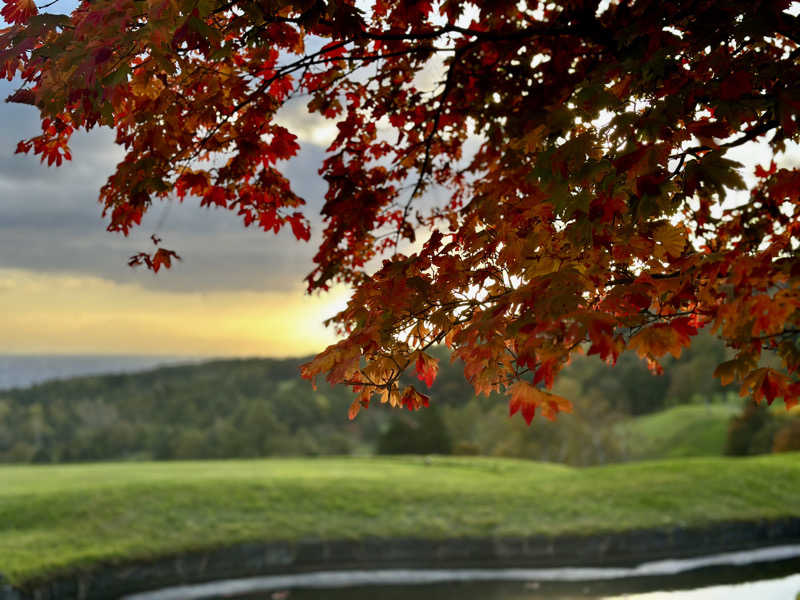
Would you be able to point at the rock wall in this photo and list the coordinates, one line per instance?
(105, 581)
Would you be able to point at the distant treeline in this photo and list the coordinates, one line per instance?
(261, 407)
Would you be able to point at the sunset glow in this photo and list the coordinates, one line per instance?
(57, 313)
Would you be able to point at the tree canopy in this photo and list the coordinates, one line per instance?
(592, 203)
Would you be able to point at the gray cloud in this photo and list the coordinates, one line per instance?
(50, 221)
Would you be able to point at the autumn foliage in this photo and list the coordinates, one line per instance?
(592, 201)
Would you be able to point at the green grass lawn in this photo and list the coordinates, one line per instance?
(57, 518)
(681, 431)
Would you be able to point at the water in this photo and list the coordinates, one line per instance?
(767, 574)
(785, 588)
(25, 370)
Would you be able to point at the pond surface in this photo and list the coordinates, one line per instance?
(766, 574)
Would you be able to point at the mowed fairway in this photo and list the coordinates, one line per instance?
(57, 518)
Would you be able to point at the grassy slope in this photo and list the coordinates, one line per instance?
(56, 518)
(681, 431)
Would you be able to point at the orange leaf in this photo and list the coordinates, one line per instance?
(764, 382)
(526, 397)
(163, 257)
(656, 340)
(354, 408)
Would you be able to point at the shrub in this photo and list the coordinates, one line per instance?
(787, 438)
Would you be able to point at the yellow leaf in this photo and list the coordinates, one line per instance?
(737, 368)
(541, 266)
(670, 240)
(150, 88)
(727, 371)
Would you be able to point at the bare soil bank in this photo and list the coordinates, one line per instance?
(625, 548)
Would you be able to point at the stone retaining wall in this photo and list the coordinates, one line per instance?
(629, 548)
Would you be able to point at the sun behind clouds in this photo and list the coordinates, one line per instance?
(64, 314)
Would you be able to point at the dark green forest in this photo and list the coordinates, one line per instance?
(261, 407)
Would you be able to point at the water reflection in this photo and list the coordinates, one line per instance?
(766, 574)
(784, 588)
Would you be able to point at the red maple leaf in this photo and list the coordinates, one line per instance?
(18, 11)
(427, 367)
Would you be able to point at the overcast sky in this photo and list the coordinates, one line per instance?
(65, 286)
(64, 281)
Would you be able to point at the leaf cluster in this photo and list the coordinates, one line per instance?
(593, 215)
